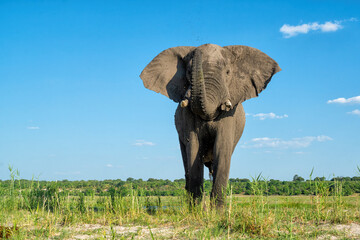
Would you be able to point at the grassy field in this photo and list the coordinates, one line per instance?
(46, 214)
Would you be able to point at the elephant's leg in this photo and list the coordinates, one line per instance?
(194, 169)
(185, 162)
(222, 156)
(228, 135)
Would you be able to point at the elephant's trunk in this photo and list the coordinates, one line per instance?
(201, 103)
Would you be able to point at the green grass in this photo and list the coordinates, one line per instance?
(47, 213)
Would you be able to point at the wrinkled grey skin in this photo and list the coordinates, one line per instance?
(210, 83)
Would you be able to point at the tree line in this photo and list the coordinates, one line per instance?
(160, 187)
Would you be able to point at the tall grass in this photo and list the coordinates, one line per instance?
(43, 212)
(328, 201)
(257, 219)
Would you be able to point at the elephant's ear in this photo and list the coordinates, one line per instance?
(252, 70)
(166, 73)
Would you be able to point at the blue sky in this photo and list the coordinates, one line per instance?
(72, 105)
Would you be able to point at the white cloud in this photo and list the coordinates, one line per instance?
(299, 153)
(291, 31)
(353, 100)
(263, 116)
(33, 128)
(329, 26)
(355, 112)
(109, 165)
(143, 143)
(302, 142)
(322, 138)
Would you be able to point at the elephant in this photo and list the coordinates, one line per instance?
(209, 82)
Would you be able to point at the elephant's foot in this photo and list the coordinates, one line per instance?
(218, 200)
(219, 206)
(194, 198)
(194, 203)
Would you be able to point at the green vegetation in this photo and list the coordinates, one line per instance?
(158, 187)
(158, 209)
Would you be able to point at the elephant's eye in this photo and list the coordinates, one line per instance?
(228, 72)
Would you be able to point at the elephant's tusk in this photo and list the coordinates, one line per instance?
(228, 104)
(184, 103)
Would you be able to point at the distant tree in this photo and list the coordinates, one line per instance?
(297, 178)
(120, 183)
(248, 189)
(130, 179)
(179, 180)
(272, 190)
(244, 180)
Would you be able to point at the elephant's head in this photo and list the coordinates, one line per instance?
(209, 78)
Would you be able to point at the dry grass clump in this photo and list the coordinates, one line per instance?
(6, 232)
(253, 223)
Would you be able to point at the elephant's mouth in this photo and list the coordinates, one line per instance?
(226, 106)
(207, 94)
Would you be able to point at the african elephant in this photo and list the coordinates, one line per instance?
(210, 83)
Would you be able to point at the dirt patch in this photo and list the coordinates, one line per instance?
(351, 231)
(93, 231)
